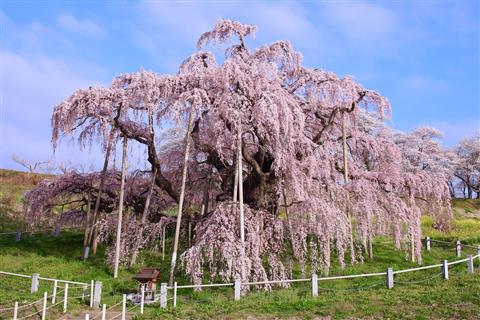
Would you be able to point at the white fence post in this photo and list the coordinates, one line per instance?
(87, 317)
(92, 286)
(459, 249)
(85, 253)
(445, 270)
(54, 294)
(97, 294)
(238, 289)
(428, 243)
(18, 236)
(390, 278)
(314, 285)
(34, 287)
(174, 294)
(15, 310)
(104, 311)
(84, 293)
(124, 306)
(44, 307)
(65, 298)
(163, 295)
(470, 264)
(142, 298)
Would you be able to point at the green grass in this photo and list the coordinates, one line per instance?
(364, 298)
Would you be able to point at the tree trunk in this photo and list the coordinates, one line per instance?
(143, 220)
(120, 209)
(94, 231)
(345, 176)
(182, 196)
(206, 194)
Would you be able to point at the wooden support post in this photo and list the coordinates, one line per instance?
(163, 295)
(470, 264)
(120, 209)
(54, 294)
(174, 294)
(445, 270)
(87, 317)
(173, 263)
(44, 306)
(142, 298)
(35, 282)
(459, 249)
(18, 236)
(104, 311)
(390, 278)
(97, 294)
(163, 243)
(238, 289)
(427, 241)
(15, 310)
(65, 298)
(124, 306)
(240, 181)
(314, 285)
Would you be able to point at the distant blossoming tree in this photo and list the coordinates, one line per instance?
(319, 169)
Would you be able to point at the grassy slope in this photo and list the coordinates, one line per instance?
(458, 298)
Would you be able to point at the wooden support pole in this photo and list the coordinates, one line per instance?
(163, 243)
(240, 180)
(120, 209)
(182, 196)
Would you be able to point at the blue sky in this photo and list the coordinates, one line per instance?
(423, 56)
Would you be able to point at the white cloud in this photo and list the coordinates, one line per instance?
(35, 85)
(86, 27)
(361, 21)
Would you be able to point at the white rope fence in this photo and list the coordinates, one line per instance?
(95, 287)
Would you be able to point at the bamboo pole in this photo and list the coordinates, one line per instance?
(235, 183)
(240, 179)
(182, 196)
(345, 176)
(120, 208)
(163, 243)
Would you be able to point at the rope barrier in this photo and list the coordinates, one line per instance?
(419, 281)
(351, 289)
